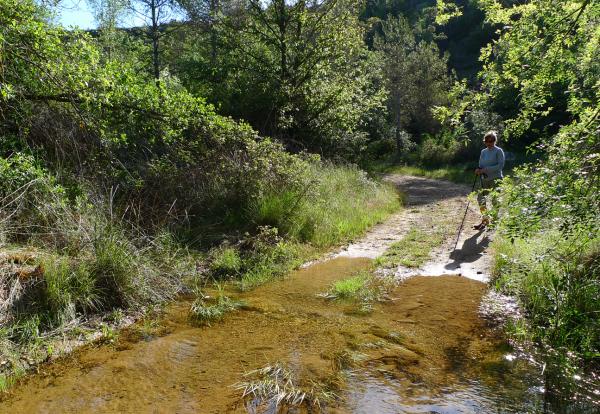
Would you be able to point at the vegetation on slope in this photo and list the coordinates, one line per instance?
(114, 187)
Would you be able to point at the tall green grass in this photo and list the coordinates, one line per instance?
(557, 280)
(334, 205)
(328, 206)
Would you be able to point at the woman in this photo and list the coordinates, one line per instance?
(491, 162)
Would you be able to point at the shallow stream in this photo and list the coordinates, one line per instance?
(426, 350)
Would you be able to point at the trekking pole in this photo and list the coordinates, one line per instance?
(465, 216)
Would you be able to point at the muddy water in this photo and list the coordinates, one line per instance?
(425, 350)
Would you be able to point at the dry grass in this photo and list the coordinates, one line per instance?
(277, 386)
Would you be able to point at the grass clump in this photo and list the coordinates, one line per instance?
(256, 259)
(113, 269)
(205, 310)
(413, 250)
(364, 288)
(277, 387)
(70, 287)
(352, 287)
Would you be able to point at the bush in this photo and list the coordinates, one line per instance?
(225, 262)
(558, 282)
(30, 199)
(113, 269)
(435, 151)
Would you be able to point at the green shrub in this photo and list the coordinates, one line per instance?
(558, 282)
(438, 150)
(267, 255)
(225, 262)
(30, 199)
(70, 287)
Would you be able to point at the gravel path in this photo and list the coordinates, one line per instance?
(430, 204)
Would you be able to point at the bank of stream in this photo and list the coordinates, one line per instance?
(425, 349)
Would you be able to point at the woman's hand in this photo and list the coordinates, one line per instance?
(479, 171)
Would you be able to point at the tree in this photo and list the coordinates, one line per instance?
(108, 14)
(416, 76)
(156, 14)
(300, 72)
(206, 14)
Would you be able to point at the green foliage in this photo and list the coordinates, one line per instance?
(416, 75)
(560, 191)
(29, 197)
(226, 262)
(558, 282)
(349, 288)
(364, 288)
(70, 287)
(255, 259)
(435, 151)
(113, 268)
(330, 205)
(267, 256)
(297, 73)
(539, 74)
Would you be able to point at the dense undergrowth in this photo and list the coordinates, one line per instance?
(333, 206)
(548, 250)
(119, 192)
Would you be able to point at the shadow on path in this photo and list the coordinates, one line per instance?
(470, 251)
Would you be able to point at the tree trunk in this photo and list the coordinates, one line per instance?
(282, 23)
(214, 11)
(155, 39)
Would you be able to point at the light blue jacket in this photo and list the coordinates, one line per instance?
(492, 162)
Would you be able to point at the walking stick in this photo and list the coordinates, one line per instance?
(465, 216)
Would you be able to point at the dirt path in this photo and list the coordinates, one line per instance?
(429, 204)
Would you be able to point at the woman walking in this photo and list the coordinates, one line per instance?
(491, 163)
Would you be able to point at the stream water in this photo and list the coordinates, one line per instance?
(424, 351)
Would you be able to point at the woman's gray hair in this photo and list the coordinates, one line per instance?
(491, 134)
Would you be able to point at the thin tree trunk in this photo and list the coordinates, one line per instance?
(214, 10)
(155, 39)
(282, 23)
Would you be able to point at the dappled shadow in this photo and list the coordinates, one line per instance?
(470, 251)
(421, 191)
